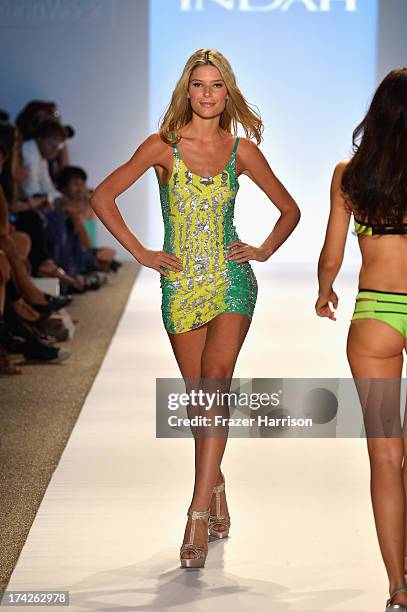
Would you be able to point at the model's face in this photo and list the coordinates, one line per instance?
(207, 91)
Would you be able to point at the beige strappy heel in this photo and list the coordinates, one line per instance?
(198, 550)
(218, 519)
(390, 607)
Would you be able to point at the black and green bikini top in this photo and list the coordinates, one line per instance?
(362, 229)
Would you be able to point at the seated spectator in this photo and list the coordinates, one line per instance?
(16, 333)
(47, 228)
(14, 245)
(49, 138)
(27, 121)
(25, 310)
(31, 213)
(19, 336)
(72, 184)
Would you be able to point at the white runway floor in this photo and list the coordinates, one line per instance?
(113, 517)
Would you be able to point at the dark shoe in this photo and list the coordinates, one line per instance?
(95, 280)
(36, 351)
(115, 265)
(35, 331)
(101, 276)
(54, 303)
(12, 344)
(76, 289)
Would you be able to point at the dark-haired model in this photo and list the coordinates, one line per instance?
(208, 286)
(373, 186)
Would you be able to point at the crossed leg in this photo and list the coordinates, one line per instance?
(375, 351)
(209, 352)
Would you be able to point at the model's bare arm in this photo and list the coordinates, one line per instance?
(103, 202)
(331, 257)
(256, 167)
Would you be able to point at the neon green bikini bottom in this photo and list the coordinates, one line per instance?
(388, 307)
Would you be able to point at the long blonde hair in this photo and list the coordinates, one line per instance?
(237, 109)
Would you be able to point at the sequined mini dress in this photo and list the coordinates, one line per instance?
(198, 225)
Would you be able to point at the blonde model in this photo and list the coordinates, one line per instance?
(209, 289)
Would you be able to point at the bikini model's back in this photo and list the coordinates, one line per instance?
(384, 262)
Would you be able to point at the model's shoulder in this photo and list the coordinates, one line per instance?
(154, 148)
(249, 154)
(246, 144)
(248, 149)
(155, 142)
(340, 167)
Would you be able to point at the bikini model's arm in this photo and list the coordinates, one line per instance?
(255, 166)
(103, 202)
(331, 257)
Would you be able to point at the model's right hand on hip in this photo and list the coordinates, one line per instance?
(160, 259)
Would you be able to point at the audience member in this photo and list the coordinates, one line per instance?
(45, 230)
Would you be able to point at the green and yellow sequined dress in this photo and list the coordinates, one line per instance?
(198, 221)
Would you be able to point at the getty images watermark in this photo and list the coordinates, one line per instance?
(207, 401)
(283, 407)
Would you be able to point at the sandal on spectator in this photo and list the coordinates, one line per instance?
(54, 271)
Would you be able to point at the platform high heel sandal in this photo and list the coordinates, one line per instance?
(392, 607)
(198, 550)
(218, 519)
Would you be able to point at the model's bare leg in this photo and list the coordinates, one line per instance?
(188, 348)
(375, 351)
(223, 339)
